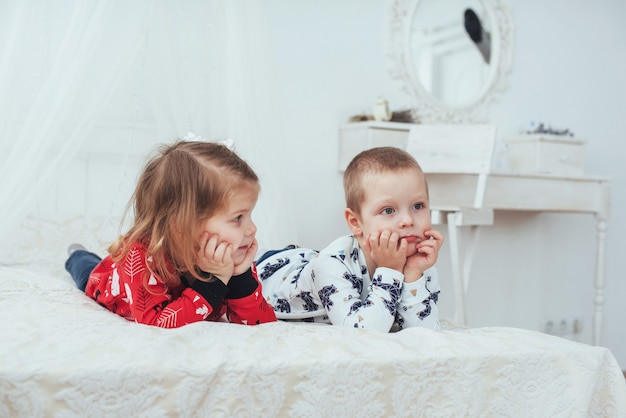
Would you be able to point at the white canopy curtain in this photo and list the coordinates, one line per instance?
(97, 76)
(56, 73)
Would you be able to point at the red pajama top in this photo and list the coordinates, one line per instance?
(123, 289)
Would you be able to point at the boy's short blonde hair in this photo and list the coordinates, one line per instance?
(374, 161)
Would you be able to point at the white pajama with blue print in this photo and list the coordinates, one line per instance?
(333, 285)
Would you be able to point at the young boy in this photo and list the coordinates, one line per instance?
(383, 273)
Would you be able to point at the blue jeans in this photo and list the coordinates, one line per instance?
(79, 265)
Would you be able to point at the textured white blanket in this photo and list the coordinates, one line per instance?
(63, 355)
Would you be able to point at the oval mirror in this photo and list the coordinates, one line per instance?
(451, 55)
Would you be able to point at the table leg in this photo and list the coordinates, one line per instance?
(457, 278)
(598, 314)
(474, 231)
(461, 270)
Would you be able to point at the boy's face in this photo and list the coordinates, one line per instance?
(395, 201)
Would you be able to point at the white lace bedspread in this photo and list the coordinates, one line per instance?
(62, 355)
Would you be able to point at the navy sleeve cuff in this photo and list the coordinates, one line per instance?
(213, 291)
(242, 285)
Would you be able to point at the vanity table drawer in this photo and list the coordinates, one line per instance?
(546, 154)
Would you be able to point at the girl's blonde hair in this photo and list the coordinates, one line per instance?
(182, 185)
(374, 161)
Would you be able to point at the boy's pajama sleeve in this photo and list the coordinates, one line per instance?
(418, 304)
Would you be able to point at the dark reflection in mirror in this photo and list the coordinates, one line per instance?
(478, 35)
(451, 43)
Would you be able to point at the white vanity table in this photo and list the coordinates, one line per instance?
(468, 198)
(452, 71)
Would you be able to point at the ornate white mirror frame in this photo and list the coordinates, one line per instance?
(427, 108)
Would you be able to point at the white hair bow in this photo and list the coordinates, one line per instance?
(229, 143)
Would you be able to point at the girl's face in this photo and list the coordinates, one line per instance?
(397, 202)
(234, 224)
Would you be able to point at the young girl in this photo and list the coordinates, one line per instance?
(189, 254)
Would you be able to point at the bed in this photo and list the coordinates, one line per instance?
(63, 355)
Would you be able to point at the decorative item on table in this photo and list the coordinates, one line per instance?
(382, 113)
(545, 150)
(542, 129)
(361, 117)
(381, 110)
(405, 116)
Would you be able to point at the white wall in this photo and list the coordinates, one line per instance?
(567, 71)
(331, 64)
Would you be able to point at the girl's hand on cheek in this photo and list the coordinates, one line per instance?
(248, 259)
(215, 257)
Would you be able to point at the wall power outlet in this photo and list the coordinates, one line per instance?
(563, 327)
